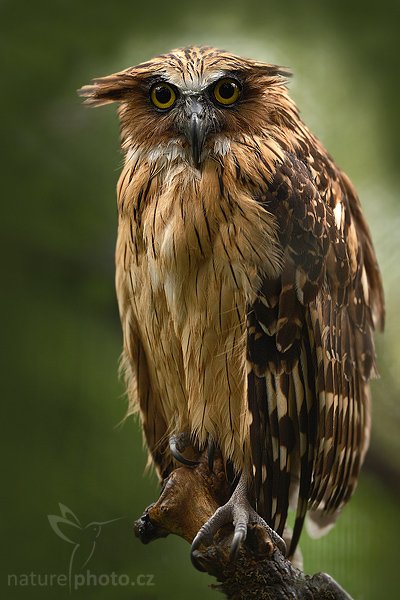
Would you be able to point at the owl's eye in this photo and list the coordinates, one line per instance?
(226, 91)
(162, 96)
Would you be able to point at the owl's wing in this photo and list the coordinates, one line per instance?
(310, 347)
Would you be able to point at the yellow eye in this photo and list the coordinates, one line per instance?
(162, 95)
(226, 91)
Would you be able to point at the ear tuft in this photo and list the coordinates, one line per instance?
(104, 90)
(278, 71)
(284, 72)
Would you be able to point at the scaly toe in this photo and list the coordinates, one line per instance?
(222, 516)
(240, 513)
(203, 537)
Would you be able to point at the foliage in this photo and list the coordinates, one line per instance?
(62, 339)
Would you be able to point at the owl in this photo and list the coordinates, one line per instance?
(248, 289)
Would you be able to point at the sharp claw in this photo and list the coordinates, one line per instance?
(203, 536)
(238, 538)
(194, 554)
(239, 512)
(198, 540)
(180, 458)
(173, 446)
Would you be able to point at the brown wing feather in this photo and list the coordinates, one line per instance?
(310, 344)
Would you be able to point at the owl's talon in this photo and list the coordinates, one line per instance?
(240, 513)
(177, 444)
(238, 538)
(194, 557)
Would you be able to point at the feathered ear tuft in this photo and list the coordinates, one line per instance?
(284, 72)
(275, 70)
(104, 90)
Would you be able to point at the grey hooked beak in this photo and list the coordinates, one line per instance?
(196, 129)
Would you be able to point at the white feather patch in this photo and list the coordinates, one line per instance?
(319, 524)
(337, 211)
(222, 146)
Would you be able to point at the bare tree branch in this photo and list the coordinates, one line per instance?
(189, 498)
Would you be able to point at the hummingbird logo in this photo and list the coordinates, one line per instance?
(83, 537)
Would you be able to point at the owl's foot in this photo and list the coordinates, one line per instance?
(178, 444)
(238, 511)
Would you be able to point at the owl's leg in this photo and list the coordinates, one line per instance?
(238, 511)
(178, 444)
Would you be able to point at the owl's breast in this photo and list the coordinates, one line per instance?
(193, 263)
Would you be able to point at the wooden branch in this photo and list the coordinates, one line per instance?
(188, 499)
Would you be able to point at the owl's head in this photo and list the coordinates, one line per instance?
(191, 103)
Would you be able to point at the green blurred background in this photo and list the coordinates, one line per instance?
(63, 403)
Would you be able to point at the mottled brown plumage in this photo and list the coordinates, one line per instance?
(247, 283)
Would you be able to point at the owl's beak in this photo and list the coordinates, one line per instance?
(196, 129)
(196, 138)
